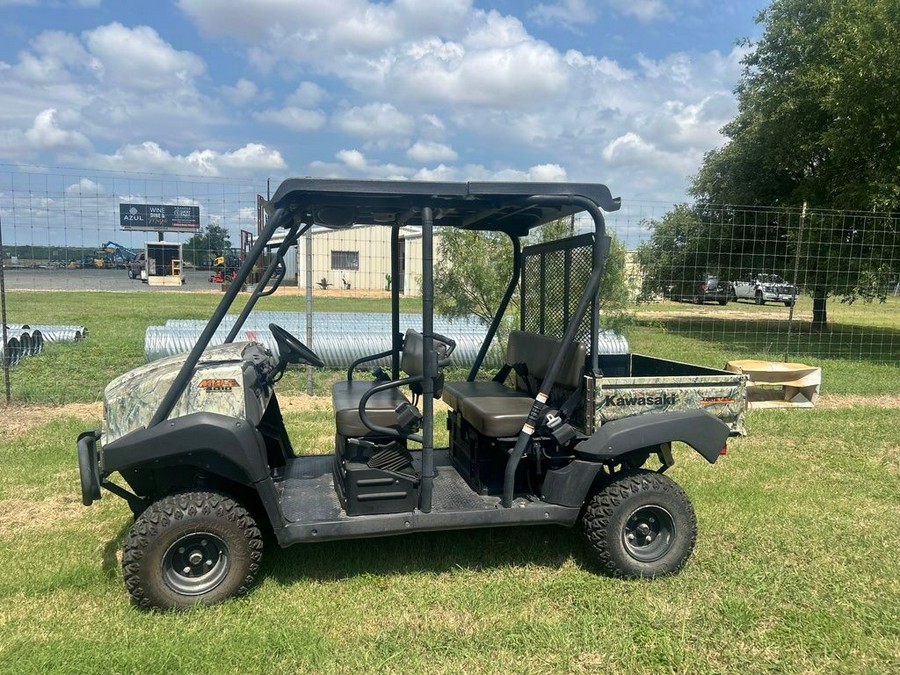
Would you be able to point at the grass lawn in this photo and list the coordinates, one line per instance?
(794, 571)
(795, 567)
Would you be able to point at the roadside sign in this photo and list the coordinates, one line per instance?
(159, 217)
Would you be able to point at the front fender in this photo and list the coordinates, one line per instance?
(220, 444)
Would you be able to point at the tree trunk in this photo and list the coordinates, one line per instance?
(820, 314)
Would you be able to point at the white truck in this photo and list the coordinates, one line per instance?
(763, 288)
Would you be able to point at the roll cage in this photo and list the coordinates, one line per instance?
(511, 208)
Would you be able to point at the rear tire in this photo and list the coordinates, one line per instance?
(640, 524)
(760, 300)
(191, 548)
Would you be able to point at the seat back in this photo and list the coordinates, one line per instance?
(411, 361)
(537, 353)
(413, 348)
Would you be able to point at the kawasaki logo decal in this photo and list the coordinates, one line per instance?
(661, 399)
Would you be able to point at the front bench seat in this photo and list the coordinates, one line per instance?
(381, 407)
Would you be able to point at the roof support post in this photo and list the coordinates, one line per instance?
(429, 366)
(396, 337)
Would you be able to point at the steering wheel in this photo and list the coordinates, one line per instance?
(292, 350)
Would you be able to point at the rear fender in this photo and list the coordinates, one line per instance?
(697, 428)
(614, 440)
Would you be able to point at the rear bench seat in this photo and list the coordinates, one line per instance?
(381, 407)
(499, 411)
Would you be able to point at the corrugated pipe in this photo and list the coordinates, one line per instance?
(51, 333)
(336, 350)
(11, 352)
(357, 322)
(31, 341)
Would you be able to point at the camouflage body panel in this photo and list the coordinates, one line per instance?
(225, 381)
(723, 396)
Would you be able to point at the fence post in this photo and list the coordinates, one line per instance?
(3, 336)
(787, 343)
(309, 306)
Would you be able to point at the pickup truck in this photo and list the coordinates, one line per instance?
(137, 266)
(763, 288)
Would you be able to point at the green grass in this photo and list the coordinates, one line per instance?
(794, 571)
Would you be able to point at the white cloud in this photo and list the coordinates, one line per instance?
(428, 151)
(138, 58)
(541, 173)
(374, 120)
(643, 10)
(85, 186)
(307, 95)
(567, 13)
(151, 157)
(295, 119)
(353, 159)
(523, 75)
(45, 134)
(243, 91)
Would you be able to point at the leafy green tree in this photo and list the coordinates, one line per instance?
(732, 243)
(202, 248)
(817, 123)
(472, 270)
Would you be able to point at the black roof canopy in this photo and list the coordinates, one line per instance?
(474, 206)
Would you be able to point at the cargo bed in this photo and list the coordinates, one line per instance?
(633, 384)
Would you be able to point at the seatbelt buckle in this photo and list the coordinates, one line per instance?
(561, 432)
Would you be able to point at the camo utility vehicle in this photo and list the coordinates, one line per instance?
(554, 437)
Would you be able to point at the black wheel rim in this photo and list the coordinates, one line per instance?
(649, 533)
(196, 564)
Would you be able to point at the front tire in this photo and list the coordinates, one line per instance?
(191, 548)
(760, 299)
(640, 524)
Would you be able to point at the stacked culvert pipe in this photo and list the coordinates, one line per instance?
(10, 352)
(24, 340)
(340, 338)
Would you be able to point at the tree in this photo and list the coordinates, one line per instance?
(689, 241)
(817, 123)
(472, 270)
(201, 248)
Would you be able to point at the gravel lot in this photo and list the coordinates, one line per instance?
(96, 280)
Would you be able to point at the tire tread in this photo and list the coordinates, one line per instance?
(173, 508)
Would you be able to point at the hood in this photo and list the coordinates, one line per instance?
(130, 401)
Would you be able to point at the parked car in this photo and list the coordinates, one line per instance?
(706, 289)
(137, 265)
(763, 288)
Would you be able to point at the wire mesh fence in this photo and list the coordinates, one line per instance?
(699, 282)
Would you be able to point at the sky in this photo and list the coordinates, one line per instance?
(630, 93)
